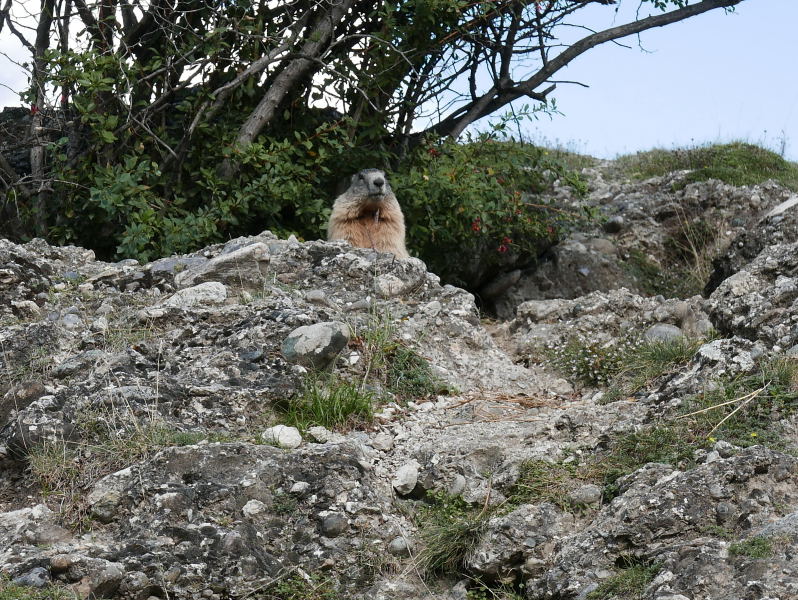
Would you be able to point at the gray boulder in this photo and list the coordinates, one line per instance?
(316, 345)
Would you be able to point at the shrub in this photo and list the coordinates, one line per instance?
(475, 206)
(144, 212)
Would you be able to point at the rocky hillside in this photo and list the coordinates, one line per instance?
(278, 420)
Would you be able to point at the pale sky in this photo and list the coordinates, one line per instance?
(712, 78)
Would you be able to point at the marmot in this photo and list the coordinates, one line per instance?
(367, 215)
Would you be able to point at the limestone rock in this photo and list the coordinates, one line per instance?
(663, 332)
(283, 436)
(210, 292)
(405, 479)
(242, 265)
(316, 345)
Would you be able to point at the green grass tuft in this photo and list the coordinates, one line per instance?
(494, 591)
(755, 547)
(330, 402)
(745, 410)
(628, 584)
(631, 451)
(397, 368)
(450, 531)
(409, 376)
(10, 591)
(110, 440)
(297, 587)
(542, 481)
(649, 361)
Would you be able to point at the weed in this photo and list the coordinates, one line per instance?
(330, 402)
(629, 452)
(628, 584)
(375, 340)
(651, 360)
(690, 238)
(399, 369)
(592, 362)
(483, 591)
(736, 164)
(109, 442)
(284, 503)
(743, 410)
(36, 363)
(120, 338)
(297, 586)
(691, 248)
(650, 277)
(10, 591)
(542, 481)
(409, 375)
(373, 560)
(717, 531)
(450, 531)
(755, 547)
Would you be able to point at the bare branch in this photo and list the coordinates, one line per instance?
(494, 99)
(4, 12)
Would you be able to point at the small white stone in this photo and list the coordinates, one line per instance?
(406, 478)
(382, 441)
(100, 324)
(300, 487)
(319, 433)
(457, 487)
(253, 507)
(389, 286)
(283, 436)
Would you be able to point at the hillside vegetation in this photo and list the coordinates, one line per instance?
(737, 163)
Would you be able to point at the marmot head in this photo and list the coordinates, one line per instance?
(371, 184)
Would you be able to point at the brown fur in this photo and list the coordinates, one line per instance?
(367, 215)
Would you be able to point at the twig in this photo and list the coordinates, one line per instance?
(745, 399)
(727, 417)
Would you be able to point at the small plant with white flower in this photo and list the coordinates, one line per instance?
(592, 362)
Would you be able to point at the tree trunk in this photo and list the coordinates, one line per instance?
(296, 70)
(37, 154)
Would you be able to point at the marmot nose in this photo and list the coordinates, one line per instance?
(378, 183)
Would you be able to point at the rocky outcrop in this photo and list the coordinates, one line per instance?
(779, 225)
(759, 301)
(145, 451)
(650, 228)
